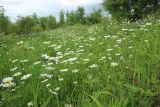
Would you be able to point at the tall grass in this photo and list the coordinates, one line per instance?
(112, 64)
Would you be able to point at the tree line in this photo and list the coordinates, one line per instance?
(133, 10)
(34, 23)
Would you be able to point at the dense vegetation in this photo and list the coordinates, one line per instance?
(33, 23)
(132, 9)
(79, 61)
(110, 64)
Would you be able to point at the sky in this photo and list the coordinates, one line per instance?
(44, 7)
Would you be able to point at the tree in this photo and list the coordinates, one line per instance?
(35, 18)
(72, 18)
(43, 23)
(25, 24)
(62, 20)
(4, 21)
(51, 22)
(80, 15)
(48, 22)
(75, 17)
(131, 9)
(94, 17)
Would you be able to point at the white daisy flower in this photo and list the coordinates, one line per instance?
(26, 77)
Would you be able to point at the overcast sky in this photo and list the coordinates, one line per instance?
(43, 7)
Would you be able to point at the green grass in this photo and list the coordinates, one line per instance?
(112, 64)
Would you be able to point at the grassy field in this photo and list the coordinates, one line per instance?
(112, 64)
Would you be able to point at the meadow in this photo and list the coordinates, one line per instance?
(111, 64)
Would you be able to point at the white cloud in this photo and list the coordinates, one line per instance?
(79, 2)
(42, 7)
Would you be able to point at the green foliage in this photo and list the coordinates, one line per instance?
(25, 24)
(94, 17)
(62, 18)
(71, 18)
(51, 22)
(48, 22)
(75, 17)
(131, 9)
(80, 15)
(88, 52)
(43, 23)
(13, 28)
(34, 23)
(4, 22)
(134, 82)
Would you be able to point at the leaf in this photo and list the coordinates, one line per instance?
(95, 100)
(97, 94)
(45, 103)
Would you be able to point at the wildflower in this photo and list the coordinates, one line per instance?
(30, 104)
(46, 75)
(26, 77)
(124, 29)
(109, 50)
(118, 54)
(145, 40)
(80, 46)
(75, 82)
(148, 24)
(110, 58)
(44, 81)
(49, 63)
(8, 79)
(121, 58)
(107, 36)
(31, 48)
(17, 74)
(46, 42)
(61, 79)
(14, 60)
(22, 61)
(68, 105)
(63, 70)
(7, 82)
(75, 71)
(13, 90)
(51, 58)
(13, 69)
(19, 43)
(48, 85)
(57, 89)
(71, 59)
(36, 63)
(113, 64)
(94, 66)
(55, 93)
(80, 50)
(49, 68)
(119, 40)
(86, 60)
(45, 56)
